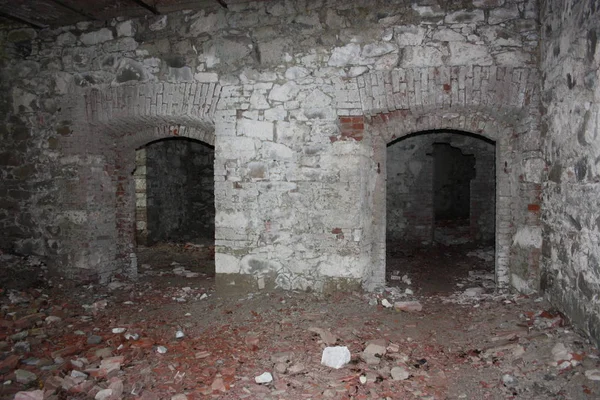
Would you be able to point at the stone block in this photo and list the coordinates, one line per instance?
(262, 130)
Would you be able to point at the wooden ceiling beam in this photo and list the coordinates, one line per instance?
(11, 17)
(73, 9)
(147, 6)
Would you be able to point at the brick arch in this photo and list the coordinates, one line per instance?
(106, 125)
(493, 102)
(503, 92)
(153, 109)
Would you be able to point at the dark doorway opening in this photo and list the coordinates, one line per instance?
(441, 210)
(175, 210)
(453, 172)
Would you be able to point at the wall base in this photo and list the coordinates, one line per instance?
(243, 283)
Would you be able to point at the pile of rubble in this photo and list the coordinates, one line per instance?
(157, 339)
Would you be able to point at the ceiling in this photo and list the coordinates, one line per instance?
(52, 13)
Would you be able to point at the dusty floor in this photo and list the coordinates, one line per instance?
(464, 343)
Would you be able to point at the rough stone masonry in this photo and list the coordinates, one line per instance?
(299, 99)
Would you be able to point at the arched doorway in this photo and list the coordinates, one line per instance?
(440, 209)
(174, 205)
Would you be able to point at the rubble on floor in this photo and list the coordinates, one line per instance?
(138, 340)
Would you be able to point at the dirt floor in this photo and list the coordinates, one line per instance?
(170, 336)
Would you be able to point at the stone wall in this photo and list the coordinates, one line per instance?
(299, 100)
(571, 100)
(179, 192)
(411, 190)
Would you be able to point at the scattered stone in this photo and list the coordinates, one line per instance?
(280, 368)
(202, 354)
(474, 291)
(103, 394)
(335, 357)
(103, 353)
(399, 374)
(118, 330)
(78, 374)
(408, 306)
(295, 369)
(561, 353)
(94, 339)
(593, 374)
(386, 303)
(282, 357)
(374, 351)
(116, 385)
(265, 377)
(161, 349)
(22, 347)
(25, 377)
(52, 320)
(327, 337)
(218, 385)
(19, 336)
(32, 395)
(179, 334)
(509, 380)
(132, 336)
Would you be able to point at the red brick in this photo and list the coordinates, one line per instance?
(533, 207)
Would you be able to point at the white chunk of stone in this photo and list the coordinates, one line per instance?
(118, 330)
(561, 353)
(335, 357)
(386, 303)
(593, 374)
(399, 374)
(474, 291)
(104, 394)
(345, 55)
(408, 306)
(265, 377)
(161, 349)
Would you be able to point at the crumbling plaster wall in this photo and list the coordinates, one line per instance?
(571, 193)
(296, 98)
(410, 187)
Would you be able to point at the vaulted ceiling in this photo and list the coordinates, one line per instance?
(53, 13)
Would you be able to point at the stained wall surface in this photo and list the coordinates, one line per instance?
(299, 100)
(571, 123)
